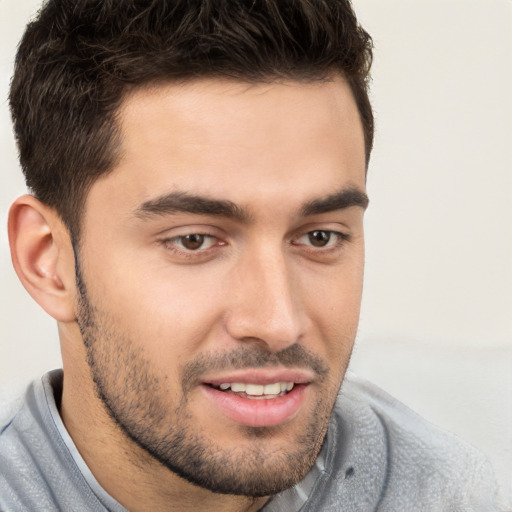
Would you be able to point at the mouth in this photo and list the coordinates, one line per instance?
(256, 391)
(257, 399)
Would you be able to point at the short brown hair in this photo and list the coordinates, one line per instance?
(78, 58)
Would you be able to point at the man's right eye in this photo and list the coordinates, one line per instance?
(191, 242)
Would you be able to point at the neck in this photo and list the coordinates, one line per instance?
(131, 476)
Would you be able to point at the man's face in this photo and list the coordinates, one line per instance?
(220, 276)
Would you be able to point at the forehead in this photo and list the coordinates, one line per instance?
(216, 111)
(238, 141)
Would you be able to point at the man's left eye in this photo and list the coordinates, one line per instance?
(321, 238)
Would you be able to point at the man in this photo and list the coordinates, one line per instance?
(198, 174)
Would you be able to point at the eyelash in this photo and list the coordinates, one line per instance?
(340, 238)
(171, 243)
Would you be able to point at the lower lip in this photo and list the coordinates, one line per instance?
(258, 412)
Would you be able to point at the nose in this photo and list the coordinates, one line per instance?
(266, 303)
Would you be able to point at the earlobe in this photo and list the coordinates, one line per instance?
(42, 256)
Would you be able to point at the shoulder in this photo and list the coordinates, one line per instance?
(408, 436)
(19, 471)
(414, 465)
(37, 470)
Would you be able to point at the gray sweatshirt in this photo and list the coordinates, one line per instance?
(378, 456)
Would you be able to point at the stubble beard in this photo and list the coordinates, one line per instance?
(135, 398)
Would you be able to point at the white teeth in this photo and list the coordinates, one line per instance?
(254, 389)
(258, 389)
(272, 389)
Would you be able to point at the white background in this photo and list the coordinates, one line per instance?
(436, 324)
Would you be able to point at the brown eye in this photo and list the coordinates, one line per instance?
(192, 242)
(319, 238)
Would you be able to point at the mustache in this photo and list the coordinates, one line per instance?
(294, 356)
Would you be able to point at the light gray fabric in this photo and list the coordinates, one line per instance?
(379, 456)
(40, 467)
(385, 458)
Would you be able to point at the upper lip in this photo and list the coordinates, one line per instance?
(261, 376)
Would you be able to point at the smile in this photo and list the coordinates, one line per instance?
(266, 403)
(257, 391)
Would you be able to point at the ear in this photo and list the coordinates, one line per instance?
(42, 255)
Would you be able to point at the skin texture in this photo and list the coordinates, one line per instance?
(153, 316)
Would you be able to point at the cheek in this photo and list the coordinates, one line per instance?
(334, 310)
(169, 311)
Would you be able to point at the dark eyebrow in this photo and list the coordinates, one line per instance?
(183, 202)
(343, 199)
